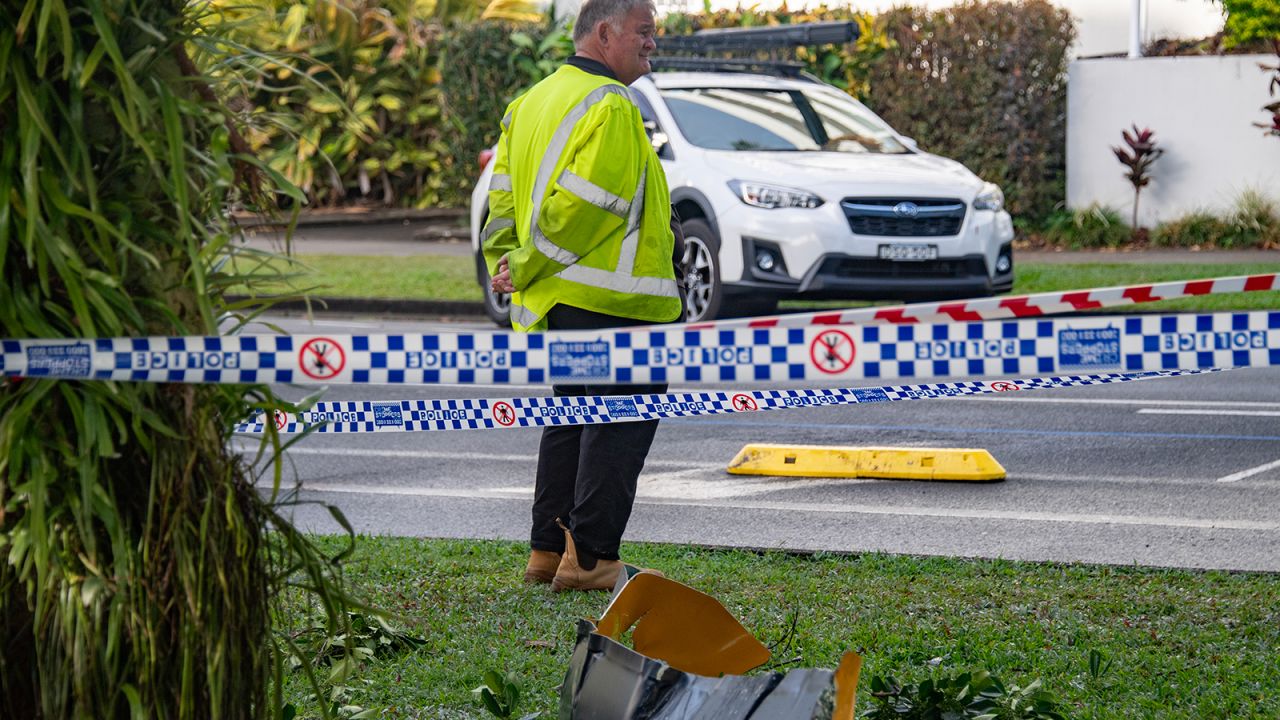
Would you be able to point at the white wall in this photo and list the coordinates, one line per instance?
(1201, 110)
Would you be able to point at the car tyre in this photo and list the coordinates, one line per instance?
(497, 305)
(700, 287)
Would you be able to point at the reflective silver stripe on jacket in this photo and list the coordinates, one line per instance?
(493, 226)
(500, 182)
(523, 316)
(619, 282)
(630, 241)
(623, 279)
(551, 156)
(594, 194)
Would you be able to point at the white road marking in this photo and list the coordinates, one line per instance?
(532, 459)
(1130, 479)
(342, 323)
(1116, 401)
(976, 514)
(683, 485)
(1233, 413)
(452, 386)
(411, 454)
(1233, 477)
(829, 508)
(497, 386)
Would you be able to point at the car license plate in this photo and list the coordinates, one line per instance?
(910, 252)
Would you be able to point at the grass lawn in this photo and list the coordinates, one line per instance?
(1031, 278)
(422, 277)
(1181, 644)
(438, 277)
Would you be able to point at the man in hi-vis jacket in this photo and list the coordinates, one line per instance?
(579, 232)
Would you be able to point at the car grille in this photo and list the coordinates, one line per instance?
(877, 216)
(853, 268)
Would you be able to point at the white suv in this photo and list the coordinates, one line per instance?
(789, 188)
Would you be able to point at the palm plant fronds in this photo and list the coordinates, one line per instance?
(137, 566)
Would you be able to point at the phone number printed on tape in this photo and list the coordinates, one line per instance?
(74, 360)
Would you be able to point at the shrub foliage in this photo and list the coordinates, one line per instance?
(985, 84)
(345, 101)
(982, 83)
(390, 101)
(488, 64)
(1254, 223)
(136, 571)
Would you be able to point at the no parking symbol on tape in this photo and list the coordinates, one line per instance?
(504, 414)
(832, 351)
(321, 358)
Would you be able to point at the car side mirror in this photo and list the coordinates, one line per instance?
(911, 143)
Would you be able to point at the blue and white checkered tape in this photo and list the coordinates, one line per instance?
(491, 414)
(1032, 346)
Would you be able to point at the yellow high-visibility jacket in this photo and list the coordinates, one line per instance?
(579, 204)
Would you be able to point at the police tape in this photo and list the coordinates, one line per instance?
(1012, 306)
(1024, 347)
(519, 412)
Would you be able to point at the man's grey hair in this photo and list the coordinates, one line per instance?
(593, 12)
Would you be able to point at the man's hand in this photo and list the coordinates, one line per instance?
(502, 281)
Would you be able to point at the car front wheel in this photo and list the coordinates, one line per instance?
(497, 305)
(701, 271)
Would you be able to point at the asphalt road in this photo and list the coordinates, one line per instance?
(1181, 472)
(402, 238)
(405, 238)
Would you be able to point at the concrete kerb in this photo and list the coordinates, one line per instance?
(349, 216)
(379, 306)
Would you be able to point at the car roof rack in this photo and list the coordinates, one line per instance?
(743, 45)
(781, 68)
(761, 38)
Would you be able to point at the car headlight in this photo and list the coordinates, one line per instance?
(773, 196)
(991, 198)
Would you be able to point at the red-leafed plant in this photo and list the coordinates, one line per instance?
(1142, 152)
(1273, 89)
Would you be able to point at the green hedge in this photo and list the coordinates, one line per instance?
(383, 106)
(982, 83)
(985, 84)
(486, 65)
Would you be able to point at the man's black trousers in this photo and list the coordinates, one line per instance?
(587, 473)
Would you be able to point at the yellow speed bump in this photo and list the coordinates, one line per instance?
(967, 465)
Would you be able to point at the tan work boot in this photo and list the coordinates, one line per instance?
(542, 566)
(572, 576)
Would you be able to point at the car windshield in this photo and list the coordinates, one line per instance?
(778, 120)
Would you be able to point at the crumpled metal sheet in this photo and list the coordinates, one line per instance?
(684, 628)
(688, 649)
